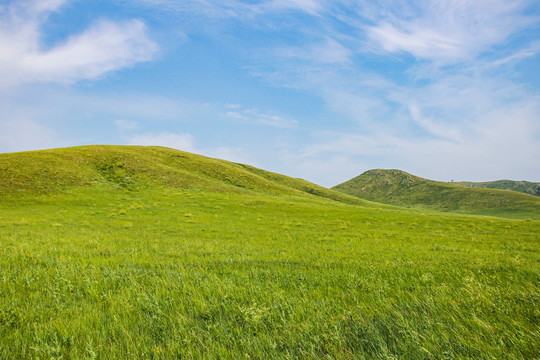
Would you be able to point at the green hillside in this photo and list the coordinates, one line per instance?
(526, 187)
(137, 168)
(111, 252)
(399, 188)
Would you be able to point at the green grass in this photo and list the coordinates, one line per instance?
(525, 187)
(396, 187)
(150, 270)
(138, 168)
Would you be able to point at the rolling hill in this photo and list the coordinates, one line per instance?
(115, 252)
(399, 188)
(139, 167)
(526, 187)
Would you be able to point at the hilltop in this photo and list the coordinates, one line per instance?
(399, 188)
(526, 187)
(133, 168)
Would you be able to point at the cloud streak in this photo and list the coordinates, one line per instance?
(439, 30)
(236, 112)
(237, 9)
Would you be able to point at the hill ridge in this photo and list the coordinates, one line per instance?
(136, 167)
(522, 186)
(399, 188)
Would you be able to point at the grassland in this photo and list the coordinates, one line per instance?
(396, 187)
(526, 187)
(120, 264)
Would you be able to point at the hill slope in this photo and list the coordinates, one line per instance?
(399, 188)
(138, 167)
(525, 187)
(110, 251)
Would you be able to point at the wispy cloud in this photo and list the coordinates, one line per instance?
(480, 134)
(312, 7)
(237, 9)
(237, 112)
(105, 46)
(529, 51)
(326, 51)
(443, 31)
(423, 43)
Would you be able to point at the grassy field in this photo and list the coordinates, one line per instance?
(116, 264)
(396, 187)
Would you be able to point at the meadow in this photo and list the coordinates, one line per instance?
(158, 272)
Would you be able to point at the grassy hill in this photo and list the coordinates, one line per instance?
(399, 188)
(150, 253)
(137, 167)
(525, 187)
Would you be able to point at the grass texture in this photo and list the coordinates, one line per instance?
(118, 264)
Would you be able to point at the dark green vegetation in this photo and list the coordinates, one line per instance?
(399, 188)
(525, 187)
(128, 252)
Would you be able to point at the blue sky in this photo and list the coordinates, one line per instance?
(321, 90)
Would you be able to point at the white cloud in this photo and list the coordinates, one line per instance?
(458, 127)
(312, 7)
(423, 43)
(503, 153)
(502, 141)
(432, 126)
(106, 46)
(40, 6)
(254, 116)
(237, 9)
(531, 50)
(328, 51)
(448, 31)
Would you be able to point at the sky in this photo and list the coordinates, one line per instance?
(316, 89)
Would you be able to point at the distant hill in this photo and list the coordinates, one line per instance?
(399, 188)
(140, 167)
(526, 187)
